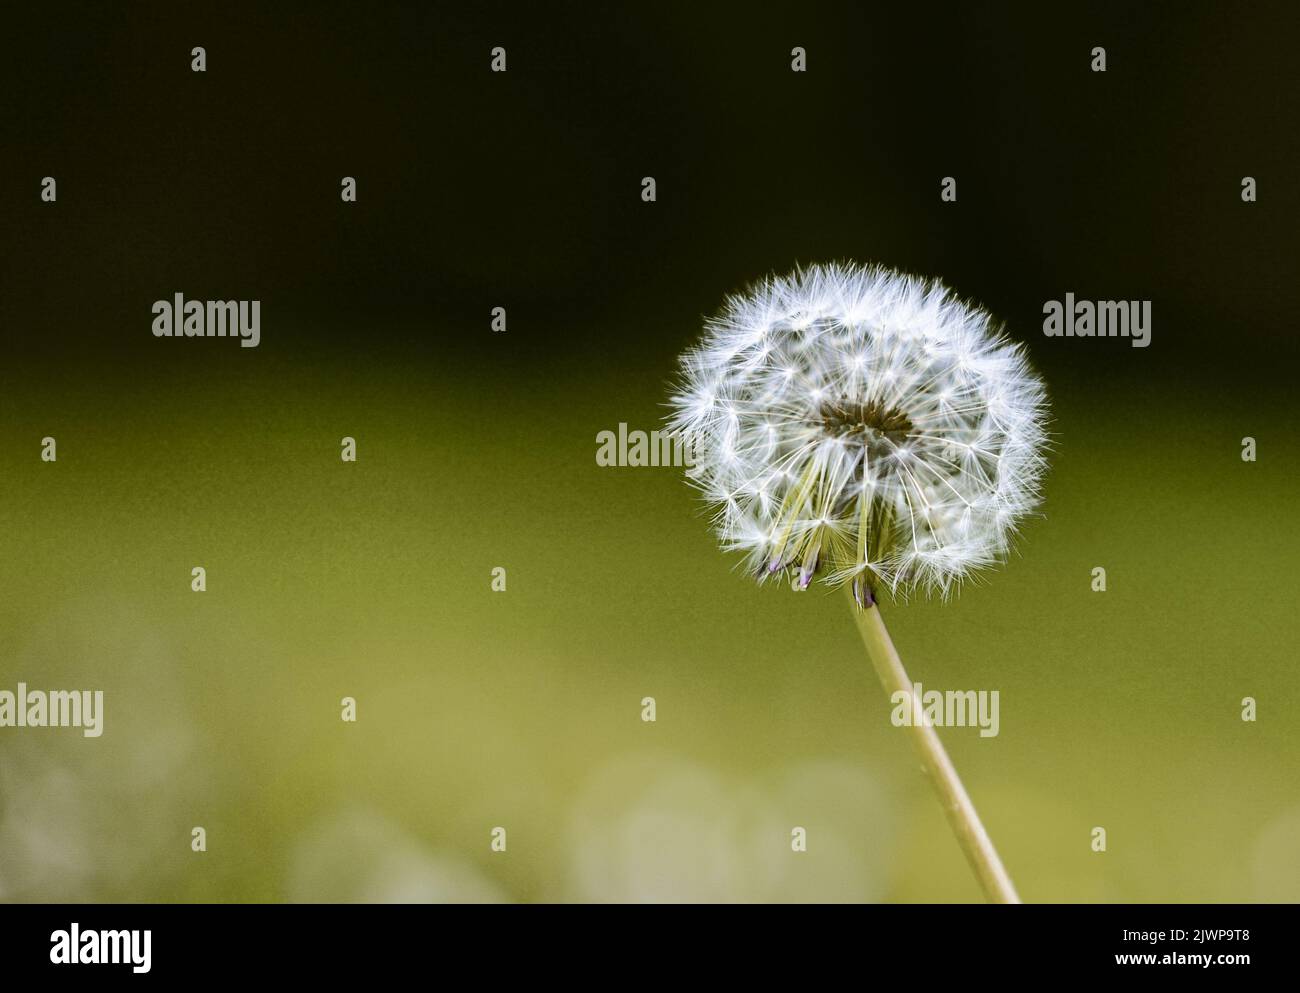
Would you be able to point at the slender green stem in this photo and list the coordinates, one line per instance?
(965, 822)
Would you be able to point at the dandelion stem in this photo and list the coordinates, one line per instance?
(965, 822)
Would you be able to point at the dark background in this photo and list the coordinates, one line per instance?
(521, 189)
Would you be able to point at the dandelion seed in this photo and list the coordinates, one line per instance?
(869, 429)
(921, 400)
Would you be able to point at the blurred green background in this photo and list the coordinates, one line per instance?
(522, 709)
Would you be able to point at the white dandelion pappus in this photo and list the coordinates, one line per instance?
(864, 425)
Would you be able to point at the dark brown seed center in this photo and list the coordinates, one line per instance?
(869, 418)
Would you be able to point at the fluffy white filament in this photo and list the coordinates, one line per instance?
(862, 425)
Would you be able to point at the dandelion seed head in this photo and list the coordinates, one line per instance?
(857, 425)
